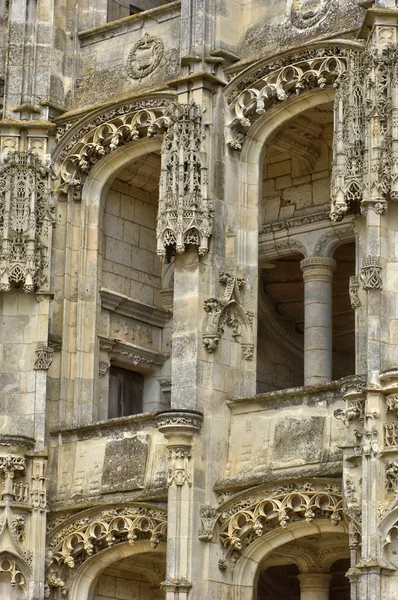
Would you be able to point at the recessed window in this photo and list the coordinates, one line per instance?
(126, 390)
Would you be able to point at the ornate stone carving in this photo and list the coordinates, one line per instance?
(176, 420)
(10, 464)
(371, 273)
(10, 566)
(103, 367)
(179, 471)
(185, 214)
(308, 13)
(44, 357)
(18, 528)
(131, 352)
(26, 220)
(75, 543)
(209, 516)
(352, 390)
(228, 311)
(353, 290)
(392, 475)
(279, 82)
(241, 525)
(109, 131)
(144, 57)
(365, 99)
(391, 434)
(392, 403)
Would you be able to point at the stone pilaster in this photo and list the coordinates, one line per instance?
(318, 274)
(179, 428)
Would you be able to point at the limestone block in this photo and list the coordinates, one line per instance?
(118, 251)
(278, 170)
(106, 586)
(124, 464)
(300, 195)
(297, 441)
(127, 589)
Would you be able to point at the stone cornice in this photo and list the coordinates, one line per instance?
(123, 305)
(136, 355)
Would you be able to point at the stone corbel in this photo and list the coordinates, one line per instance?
(228, 311)
(209, 516)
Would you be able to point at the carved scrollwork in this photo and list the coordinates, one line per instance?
(185, 214)
(26, 219)
(227, 311)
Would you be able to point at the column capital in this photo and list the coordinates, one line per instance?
(179, 424)
(318, 262)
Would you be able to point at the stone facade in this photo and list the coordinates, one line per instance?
(198, 300)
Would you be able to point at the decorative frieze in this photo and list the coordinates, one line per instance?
(227, 311)
(370, 275)
(130, 352)
(185, 214)
(144, 57)
(44, 357)
(176, 421)
(26, 220)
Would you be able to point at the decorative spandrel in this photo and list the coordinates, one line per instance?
(26, 219)
(185, 213)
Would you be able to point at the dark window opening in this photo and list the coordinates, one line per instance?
(126, 391)
(134, 9)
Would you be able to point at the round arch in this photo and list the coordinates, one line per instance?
(248, 566)
(85, 579)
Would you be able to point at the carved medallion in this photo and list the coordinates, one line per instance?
(307, 13)
(144, 57)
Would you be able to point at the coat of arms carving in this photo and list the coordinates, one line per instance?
(144, 57)
(307, 13)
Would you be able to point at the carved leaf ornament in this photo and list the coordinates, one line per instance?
(239, 528)
(95, 143)
(279, 85)
(75, 543)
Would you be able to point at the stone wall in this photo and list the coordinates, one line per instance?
(133, 586)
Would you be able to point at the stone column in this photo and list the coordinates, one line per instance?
(179, 428)
(314, 586)
(318, 274)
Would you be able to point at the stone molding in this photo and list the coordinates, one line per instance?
(131, 353)
(179, 421)
(26, 220)
(126, 306)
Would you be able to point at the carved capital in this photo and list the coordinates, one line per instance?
(176, 422)
(209, 516)
(371, 273)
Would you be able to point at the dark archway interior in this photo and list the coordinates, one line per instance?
(281, 583)
(281, 321)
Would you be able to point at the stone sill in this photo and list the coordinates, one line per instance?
(123, 305)
(269, 400)
(112, 29)
(103, 428)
